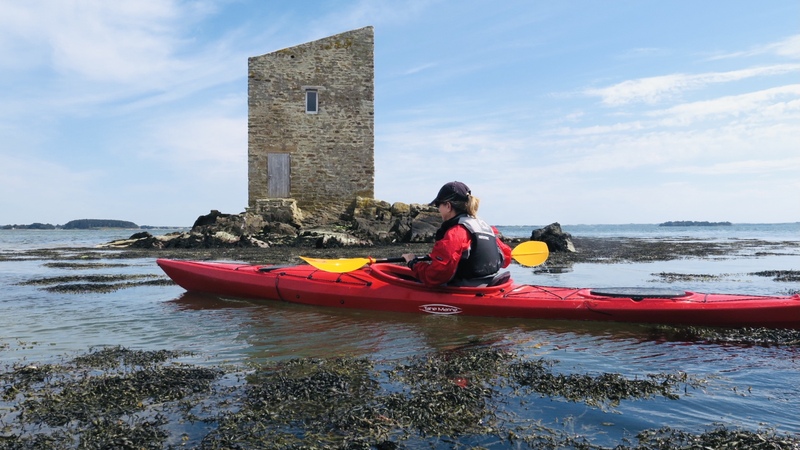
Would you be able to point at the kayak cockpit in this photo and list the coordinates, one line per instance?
(638, 293)
(403, 276)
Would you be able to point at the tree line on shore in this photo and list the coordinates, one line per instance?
(693, 223)
(80, 224)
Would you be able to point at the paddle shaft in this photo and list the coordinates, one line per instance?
(399, 259)
(530, 253)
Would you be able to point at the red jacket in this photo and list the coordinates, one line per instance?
(446, 254)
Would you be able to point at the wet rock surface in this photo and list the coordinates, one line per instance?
(556, 239)
(366, 223)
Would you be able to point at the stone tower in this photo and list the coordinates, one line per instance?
(311, 126)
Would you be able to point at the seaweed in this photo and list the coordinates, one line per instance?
(81, 284)
(606, 388)
(719, 438)
(787, 276)
(119, 398)
(765, 337)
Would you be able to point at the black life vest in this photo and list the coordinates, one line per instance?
(483, 258)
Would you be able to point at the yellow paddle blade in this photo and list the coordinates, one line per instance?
(341, 265)
(530, 253)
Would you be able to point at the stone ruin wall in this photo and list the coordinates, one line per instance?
(332, 152)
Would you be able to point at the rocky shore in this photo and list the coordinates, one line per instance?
(243, 238)
(382, 230)
(367, 223)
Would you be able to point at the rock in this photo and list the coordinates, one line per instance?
(367, 222)
(208, 219)
(259, 243)
(280, 210)
(280, 229)
(369, 209)
(374, 230)
(401, 230)
(216, 221)
(323, 238)
(254, 224)
(555, 238)
(400, 209)
(137, 240)
(192, 239)
(225, 237)
(424, 226)
(371, 220)
(382, 223)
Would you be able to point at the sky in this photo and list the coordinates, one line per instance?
(577, 112)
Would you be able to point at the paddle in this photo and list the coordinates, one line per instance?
(529, 253)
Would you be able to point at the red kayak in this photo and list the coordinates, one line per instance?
(389, 287)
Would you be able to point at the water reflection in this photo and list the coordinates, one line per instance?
(743, 384)
(270, 330)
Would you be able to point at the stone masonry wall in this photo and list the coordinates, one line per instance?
(332, 152)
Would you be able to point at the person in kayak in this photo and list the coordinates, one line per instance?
(467, 251)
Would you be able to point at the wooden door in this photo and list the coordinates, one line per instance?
(278, 175)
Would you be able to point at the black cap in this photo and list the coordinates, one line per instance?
(452, 191)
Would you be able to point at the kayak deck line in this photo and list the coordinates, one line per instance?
(390, 287)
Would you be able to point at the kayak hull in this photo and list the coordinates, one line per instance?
(388, 287)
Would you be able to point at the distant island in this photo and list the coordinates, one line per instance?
(692, 223)
(80, 224)
(33, 226)
(90, 224)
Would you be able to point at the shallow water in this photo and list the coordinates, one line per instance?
(746, 386)
(766, 231)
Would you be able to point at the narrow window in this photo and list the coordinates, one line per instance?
(312, 101)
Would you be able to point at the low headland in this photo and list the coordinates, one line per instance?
(79, 224)
(693, 223)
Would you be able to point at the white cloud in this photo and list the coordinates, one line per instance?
(419, 68)
(743, 167)
(213, 143)
(656, 89)
(734, 145)
(102, 41)
(787, 48)
(125, 54)
(779, 103)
